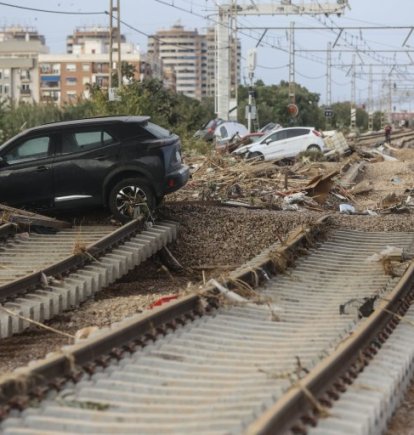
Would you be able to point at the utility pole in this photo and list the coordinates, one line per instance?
(251, 109)
(223, 76)
(353, 94)
(389, 105)
(370, 102)
(225, 9)
(114, 43)
(328, 109)
(329, 75)
(292, 95)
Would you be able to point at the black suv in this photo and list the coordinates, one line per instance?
(121, 162)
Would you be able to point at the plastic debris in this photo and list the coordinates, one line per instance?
(390, 252)
(295, 198)
(346, 209)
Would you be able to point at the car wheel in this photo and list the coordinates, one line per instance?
(255, 155)
(131, 198)
(314, 148)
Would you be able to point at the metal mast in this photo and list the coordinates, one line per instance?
(223, 76)
(115, 41)
(329, 75)
(353, 93)
(226, 9)
(292, 97)
(370, 102)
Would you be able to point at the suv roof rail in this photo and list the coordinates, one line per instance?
(141, 118)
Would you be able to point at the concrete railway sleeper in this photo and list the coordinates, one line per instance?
(42, 275)
(204, 364)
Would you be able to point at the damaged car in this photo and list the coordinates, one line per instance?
(125, 163)
(284, 143)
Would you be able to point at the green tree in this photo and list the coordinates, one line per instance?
(272, 105)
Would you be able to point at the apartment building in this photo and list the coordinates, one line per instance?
(64, 78)
(183, 54)
(84, 35)
(19, 72)
(191, 58)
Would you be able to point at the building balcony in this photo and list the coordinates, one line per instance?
(25, 92)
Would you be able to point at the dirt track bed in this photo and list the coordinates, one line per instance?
(209, 236)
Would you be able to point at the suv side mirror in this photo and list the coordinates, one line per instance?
(268, 140)
(3, 162)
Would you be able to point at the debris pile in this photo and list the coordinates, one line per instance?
(258, 184)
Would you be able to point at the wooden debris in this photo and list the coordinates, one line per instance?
(26, 218)
(226, 180)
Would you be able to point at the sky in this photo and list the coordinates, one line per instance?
(148, 16)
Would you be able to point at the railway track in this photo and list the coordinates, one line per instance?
(405, 137)
(264, 352)
(42, 275)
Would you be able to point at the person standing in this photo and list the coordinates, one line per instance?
(388, 130)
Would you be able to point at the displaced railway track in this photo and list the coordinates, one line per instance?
(42, 275)
(404, 137)
(265, 361)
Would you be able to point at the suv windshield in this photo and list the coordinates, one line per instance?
(156, 130)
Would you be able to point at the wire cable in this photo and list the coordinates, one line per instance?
(49, 11)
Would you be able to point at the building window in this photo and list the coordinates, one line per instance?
(71, 95)
(71, 67)
(86, 80)
(5, 89)
(86, 67)
(71, 81)
(56, 68)
(6, 73)
(24, 74)
(45, 68)
(25, 89)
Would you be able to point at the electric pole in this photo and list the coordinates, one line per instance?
(226, 9)
(370, 102)
(328, 109)
(251, 110)
(114, 42)
(292, 96)
(353, 94)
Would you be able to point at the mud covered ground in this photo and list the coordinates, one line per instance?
(215, 239)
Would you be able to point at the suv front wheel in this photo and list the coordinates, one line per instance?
(131, 198)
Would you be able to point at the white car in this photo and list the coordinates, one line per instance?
(284, 143)
(226, 131)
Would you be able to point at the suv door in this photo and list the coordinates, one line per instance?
(83, 158)
(25, 174)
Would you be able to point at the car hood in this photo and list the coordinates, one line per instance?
(243, 149)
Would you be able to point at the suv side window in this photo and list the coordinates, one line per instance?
(73, 142)
(30, 149)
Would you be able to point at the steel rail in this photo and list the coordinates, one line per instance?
(7, 230)
(141, 343)
(329, 378)
(33, 382)
(69, 264)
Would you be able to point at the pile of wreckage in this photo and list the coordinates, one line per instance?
(319, 186)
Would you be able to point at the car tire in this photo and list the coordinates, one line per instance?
(255, 155)
(314, 148)
(131, 198)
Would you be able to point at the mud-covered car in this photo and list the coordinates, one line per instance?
(125, 163)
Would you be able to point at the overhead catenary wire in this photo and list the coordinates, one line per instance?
(51, 11)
